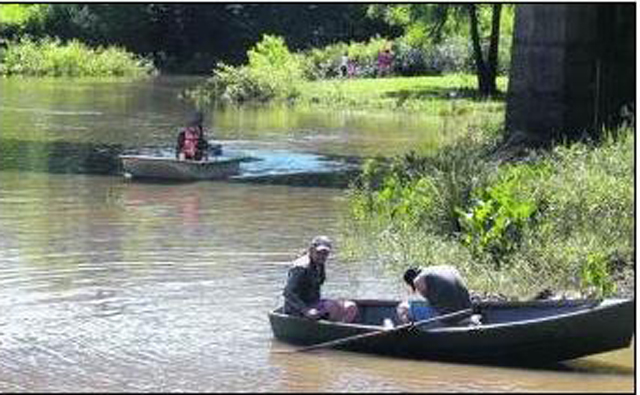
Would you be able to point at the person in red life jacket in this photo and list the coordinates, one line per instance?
(192, 143)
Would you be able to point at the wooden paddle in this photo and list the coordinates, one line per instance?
(348, 339)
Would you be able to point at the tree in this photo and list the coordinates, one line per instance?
(438, 20)
(487, 70)
(191, 37)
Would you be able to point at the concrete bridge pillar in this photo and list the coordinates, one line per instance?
(573, 67)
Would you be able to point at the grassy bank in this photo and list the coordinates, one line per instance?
(560, 219)
(52, 58)
(451, 94)
(276, 75)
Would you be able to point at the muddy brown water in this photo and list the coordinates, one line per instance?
(108, 284)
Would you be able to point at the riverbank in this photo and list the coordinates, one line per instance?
(561, 219)
(450, 94)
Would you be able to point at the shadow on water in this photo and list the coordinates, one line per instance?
(59, 157)
(280, 167)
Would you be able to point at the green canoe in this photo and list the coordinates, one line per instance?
(530, 332)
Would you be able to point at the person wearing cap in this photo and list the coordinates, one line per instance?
(192, 143)
(302, 290)
(442, 287)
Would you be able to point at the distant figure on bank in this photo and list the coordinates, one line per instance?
(351, 68)
(385, 61)
(344, 65)
(302, 290)
(192, 144)
(442, 287)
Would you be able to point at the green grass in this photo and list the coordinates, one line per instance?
(440, 95)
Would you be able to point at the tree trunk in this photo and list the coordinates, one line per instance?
(493, 48)
(481, 67)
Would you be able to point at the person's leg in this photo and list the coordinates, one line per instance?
(403, 312)
(340, 310)
(349, 310)
(413, 311)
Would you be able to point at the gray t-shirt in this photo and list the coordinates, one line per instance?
(446, 291)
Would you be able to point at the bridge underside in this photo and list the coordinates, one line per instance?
(573, 68)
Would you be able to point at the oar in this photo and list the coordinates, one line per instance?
(349, 339)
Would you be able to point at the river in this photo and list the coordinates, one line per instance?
(111, 285)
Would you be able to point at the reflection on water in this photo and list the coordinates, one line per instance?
(112, 285)
(59, 157)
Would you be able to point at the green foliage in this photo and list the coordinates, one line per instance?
(323, 63)
(50, 57)
(20, 19)
(441, 32)
(595, 275)
(450, 55)
(190, 38)
(272, 73)
(414, 192)
(561, 219)
(19, 14)
(499, 213)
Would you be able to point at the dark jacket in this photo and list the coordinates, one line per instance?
(302, 290)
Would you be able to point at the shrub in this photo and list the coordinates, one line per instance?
(452, 55)
(495, 221)
(561, 219)
(324, 63)
(50, 57)
(272, 72)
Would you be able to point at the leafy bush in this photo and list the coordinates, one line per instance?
(595, 274)
(18, 19)
(272, 72)
(409, 61)
(561, 219)
(324, 63)
(452, 55)
(498, 214)
(50, 57)
(424, 192)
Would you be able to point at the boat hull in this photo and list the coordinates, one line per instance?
(138, 166)
(515, 333)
